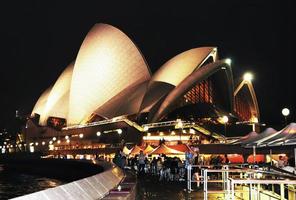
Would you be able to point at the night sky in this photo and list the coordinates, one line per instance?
(38, 40)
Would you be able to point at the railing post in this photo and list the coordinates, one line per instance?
(250, 192)
(232, 189)
(205, 178)
(189, 178)
(282, 191)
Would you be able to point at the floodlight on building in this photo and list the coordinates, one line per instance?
(173, 133)
(148, 134)
(99, 133)
(179, 123)
(161, 134)
(146, 128)
(225, 119)
(254, 119)
(191, 131)
(248, 77)
(81, 135)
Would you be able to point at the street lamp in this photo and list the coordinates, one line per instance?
(225, 120)
(285, 112)
(248, 77)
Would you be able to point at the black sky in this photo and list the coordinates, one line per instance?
(38, 40)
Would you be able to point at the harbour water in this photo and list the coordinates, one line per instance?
(14, 184)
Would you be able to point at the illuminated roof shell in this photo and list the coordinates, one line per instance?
(40, 104)
(107, 63)
(57, 103)
(179, 67)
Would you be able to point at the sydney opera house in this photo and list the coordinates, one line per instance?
(108, 96)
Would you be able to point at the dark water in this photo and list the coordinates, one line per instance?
(14, 184)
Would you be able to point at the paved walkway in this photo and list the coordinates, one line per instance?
(149, 188)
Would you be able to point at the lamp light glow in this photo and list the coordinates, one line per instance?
(285, 112)
(248, 77)
(225, 119)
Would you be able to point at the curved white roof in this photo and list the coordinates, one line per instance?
(107, 63)
(57, 104)
(40, 104)
(179, 67)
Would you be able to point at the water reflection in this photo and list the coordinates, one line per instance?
(13, 184)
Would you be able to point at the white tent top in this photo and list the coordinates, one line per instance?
(260, 137)
(280, 138)
(246, 138)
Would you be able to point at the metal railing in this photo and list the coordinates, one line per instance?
(234, 176)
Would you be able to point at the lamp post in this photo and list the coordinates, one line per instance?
(180, 126)
(285, 112)
(225, 120)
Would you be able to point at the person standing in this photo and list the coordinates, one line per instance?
(141, 162)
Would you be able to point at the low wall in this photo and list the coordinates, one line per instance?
(93, 187)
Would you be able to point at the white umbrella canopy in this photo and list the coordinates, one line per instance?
(268, 132)
(286, 134)
(246, 138)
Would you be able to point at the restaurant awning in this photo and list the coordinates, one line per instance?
(136, 150)
(148, 149)
(163, 149)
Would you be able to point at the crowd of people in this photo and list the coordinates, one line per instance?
(162, 167)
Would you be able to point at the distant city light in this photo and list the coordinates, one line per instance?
(81, 135)
(59, 141)
(43, 143)
(50, 142)
(68, 141)
(36, 143)
(66, 137)
(54, 138)
(98, 133)
(248, 77)
(148, 134)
